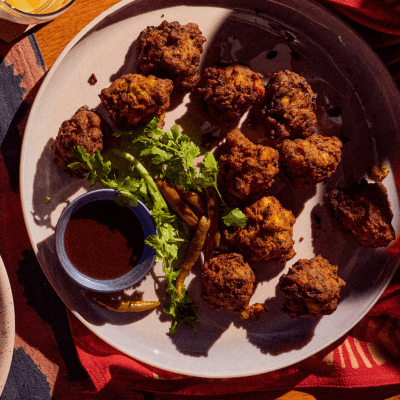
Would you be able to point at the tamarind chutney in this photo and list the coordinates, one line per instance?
(104, 240)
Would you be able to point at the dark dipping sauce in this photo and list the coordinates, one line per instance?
(104, 240)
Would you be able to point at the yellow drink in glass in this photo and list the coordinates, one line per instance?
(25, 5)
(32, 11)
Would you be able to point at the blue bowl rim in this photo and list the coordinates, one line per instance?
(123, 282)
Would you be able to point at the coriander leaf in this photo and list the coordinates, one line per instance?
(209, 173)
(151, 185)
(234, 217)
(180, 308)
(169, 237)
(171, 153)
(95, 165)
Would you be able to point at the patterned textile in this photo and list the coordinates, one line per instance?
(51, 363)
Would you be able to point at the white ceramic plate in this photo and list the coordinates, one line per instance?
(7, 325)
(268, 36)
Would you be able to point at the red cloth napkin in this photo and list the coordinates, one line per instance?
(367, 356)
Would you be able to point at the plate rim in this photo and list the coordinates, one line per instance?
(9, 325)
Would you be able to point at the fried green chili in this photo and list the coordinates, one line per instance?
(124, 305)
(193, 252)
(213, 235)
(178, 206)
(193, 199)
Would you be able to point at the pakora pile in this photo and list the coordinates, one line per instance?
(132, 99)
(229, 91)
(309, 161)
(85, 129)
(227, 282)
(246, 170)
(364, 212)
(171, 51)
(168, 58)
(268, 234)
(288, 110)
(311, 287)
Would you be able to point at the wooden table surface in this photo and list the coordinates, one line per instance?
(52, 38)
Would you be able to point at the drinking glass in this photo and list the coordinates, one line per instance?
(30, 12)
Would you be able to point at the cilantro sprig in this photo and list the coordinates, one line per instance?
(135, 184)
(170, 155)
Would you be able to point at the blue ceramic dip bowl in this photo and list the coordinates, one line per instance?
(134, 274)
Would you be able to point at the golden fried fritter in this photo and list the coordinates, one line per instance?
(288, 110)
(171, 51)
(255, 311)
(309, 161)
(378, 173)
(83, 129)
(246, 171)
(311, 287)
(268, 234)
(227, 282)
(364, 212)
(132, 99)
(230, 91)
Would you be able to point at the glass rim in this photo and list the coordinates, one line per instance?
(45, 15)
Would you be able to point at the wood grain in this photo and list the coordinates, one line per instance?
(52, 38)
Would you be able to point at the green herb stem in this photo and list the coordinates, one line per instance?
(154, 192)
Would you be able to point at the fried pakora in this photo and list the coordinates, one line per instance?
(254, 311)
(171, 51)
(246, 170)
(378, 173)
(132, 99)
(311, 287)
(288, 110)
(227, 282)
(268, 234)
(85, 129)
(229, 91)
(309, 161)
(363, 211)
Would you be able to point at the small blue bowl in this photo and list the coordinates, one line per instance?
(138, 272)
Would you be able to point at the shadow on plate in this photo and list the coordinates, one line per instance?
(88, 309)
(55, 183)
(275, 333)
